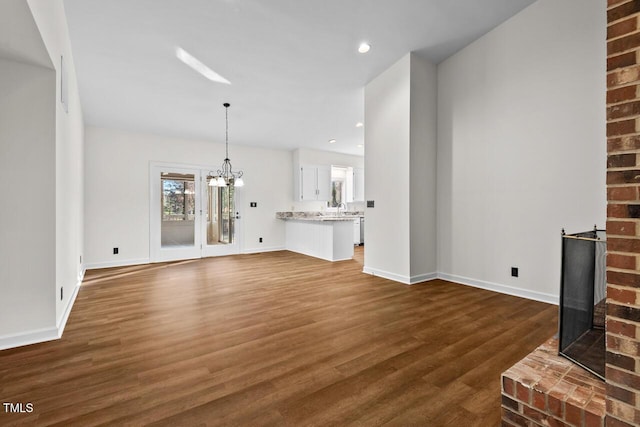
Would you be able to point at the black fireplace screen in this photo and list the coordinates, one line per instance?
(582, 299)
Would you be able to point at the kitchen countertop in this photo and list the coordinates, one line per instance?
(321, 218)
(318, 216)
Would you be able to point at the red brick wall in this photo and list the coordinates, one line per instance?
(623, 213)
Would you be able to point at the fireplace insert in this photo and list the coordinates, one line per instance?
(583, 290)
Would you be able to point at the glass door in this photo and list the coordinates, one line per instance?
(188, 217)
(221, 220)
(175, 214)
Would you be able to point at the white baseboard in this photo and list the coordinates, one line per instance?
(496, 287)
(67, 311)
(260, 250)
(423, 278)
(407, 280)
(45, 334)
(123, 263)
(503, 289)
(30, 337)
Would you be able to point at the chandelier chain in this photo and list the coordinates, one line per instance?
(226, 130)
(226, 176)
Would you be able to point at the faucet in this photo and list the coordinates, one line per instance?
(343, 206)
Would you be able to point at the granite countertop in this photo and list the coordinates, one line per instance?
(318, 216)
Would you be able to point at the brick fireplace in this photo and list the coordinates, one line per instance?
(544, 389)
(623, 213)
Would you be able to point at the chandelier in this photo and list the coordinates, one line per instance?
(226, 176)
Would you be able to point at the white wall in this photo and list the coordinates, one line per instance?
(41, 155)
(422, 163)
(387, 137)
(307, 156)
(317, 157)
(400, 172)
(521, 146)
(50, 17)
(117, 190)
(27, 215)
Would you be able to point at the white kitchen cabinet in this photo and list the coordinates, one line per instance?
(308, 183)
(324, 182)
(356, 231)
(314, 183)
(358, 185)
(328, 240)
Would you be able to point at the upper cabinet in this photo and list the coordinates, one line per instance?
(327, 177)
(323, 182)
(314, 183)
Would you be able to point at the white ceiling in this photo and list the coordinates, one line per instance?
(297, 79)
(20, 39)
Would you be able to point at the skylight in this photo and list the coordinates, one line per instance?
(198, 66)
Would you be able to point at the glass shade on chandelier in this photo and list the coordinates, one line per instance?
(223, 179)
(225, 176)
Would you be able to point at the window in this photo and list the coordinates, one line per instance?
(178, 198)
(339, 180)
(220, 214)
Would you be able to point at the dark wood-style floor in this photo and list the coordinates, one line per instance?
(273, 339)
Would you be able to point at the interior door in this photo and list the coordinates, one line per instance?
(175, 219)
(221, 219)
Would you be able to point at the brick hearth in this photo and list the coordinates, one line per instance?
(544, 389)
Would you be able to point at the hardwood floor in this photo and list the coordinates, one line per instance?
(273, 339)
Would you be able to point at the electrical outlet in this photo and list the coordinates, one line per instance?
(260, 240)
(514, 271)
(371, 203)
(253, 204)
(115, 251)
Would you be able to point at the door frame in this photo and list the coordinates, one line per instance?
(200, 248)
(220, 250)
(156, 251)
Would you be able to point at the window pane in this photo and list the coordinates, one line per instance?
(336, 193)
(221, 215)
(338, 179)
(178, 209)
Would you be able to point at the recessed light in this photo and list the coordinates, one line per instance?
(198, 66)
(332, 141)
(359, 124)
(360, 145)
(364, 47)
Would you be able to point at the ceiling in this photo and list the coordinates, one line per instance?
(20, 39)
(297, 79)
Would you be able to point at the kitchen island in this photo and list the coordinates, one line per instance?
(321, 236)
